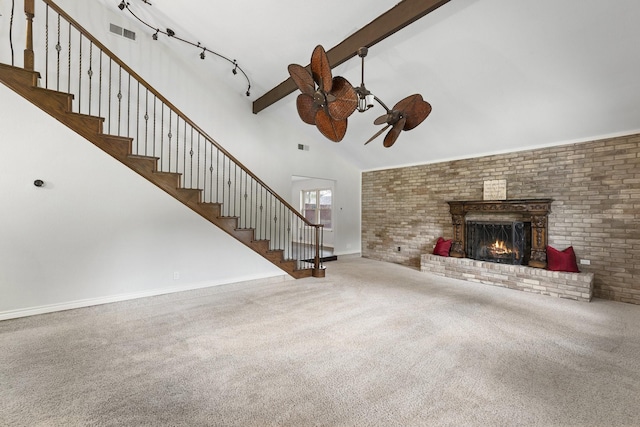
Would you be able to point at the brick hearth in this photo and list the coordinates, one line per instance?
(576, 286)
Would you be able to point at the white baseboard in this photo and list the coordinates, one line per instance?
(70, 305)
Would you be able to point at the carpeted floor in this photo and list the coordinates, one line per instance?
(372, 344)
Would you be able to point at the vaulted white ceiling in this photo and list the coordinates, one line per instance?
(501, 75)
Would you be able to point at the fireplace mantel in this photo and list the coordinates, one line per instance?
(537, 211)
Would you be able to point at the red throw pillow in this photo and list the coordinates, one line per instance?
(442, 247)
(562, 260)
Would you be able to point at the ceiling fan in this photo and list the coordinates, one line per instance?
(329, 104)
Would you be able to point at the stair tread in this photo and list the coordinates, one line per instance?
(139, 156)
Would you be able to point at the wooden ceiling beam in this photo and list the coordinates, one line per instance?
(393, 20)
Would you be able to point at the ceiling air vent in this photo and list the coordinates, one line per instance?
(115, 29)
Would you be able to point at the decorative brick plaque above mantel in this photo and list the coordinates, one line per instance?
(537, 211)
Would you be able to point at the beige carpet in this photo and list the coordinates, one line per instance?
(373, 344)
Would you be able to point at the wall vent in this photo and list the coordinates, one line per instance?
(115, 29)
(303, 147)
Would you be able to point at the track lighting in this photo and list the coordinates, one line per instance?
(170, 33)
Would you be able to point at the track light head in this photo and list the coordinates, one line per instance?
(122, 5)
(235, 68)
(170, 32)
(155, 35)
(202, 53)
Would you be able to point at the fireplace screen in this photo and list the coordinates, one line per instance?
(501, 242)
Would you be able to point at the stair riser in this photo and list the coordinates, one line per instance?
(118, 147)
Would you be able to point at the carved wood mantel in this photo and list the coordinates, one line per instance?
(537, 211)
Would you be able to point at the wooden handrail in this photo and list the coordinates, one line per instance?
(124, 66)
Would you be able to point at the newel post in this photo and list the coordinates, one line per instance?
(318, 271)
(29, 10)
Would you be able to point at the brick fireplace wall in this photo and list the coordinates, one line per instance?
(595, 186)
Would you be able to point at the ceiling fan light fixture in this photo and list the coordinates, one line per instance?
(365, 98)
(327, 102)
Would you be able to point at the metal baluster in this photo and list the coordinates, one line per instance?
(146, 122)
(250, 209)
(138, 119)
(90, 72)
(169, 157)
(184, 159)
(119, 97)
(262, 234)
(69, 62)
(161, 136)
(211, 169)
(235, 186)
(191, 153)
(217, 174)
(129, 108)
(100, 88)
(177, 142)
(109, 95)
(155, 116)
(245, 195)
(224, 205)
(58, 49)
(46, 47)
(198, 164)
(79, 73)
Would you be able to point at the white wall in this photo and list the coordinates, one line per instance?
(98, 232)
(96, 229)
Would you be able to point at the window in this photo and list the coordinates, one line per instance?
(316, 206)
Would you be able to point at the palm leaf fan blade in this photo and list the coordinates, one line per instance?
(306, 108)
(377, 134)
(393, 134)
(346, 99)
(320, 69)
(329, 127)
(415, 109)
(302, 78)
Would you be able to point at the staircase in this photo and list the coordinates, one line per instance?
(157, 141)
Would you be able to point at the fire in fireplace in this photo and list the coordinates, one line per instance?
(501, 242)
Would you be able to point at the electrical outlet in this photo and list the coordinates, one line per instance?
(176, 275)
(585, 261)
(398, 248)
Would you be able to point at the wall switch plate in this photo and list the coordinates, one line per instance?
(585, 262)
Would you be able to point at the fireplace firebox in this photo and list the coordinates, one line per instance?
(501, 242)
(534, 211)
